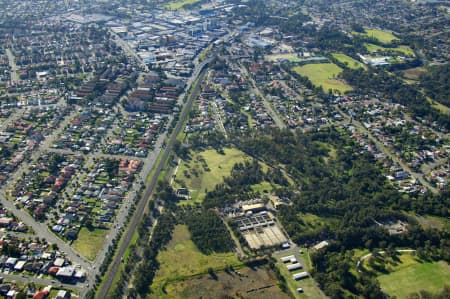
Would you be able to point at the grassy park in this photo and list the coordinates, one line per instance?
(415, 277)
(350, 62)
(402, 49)
(204, 170)
(382, 36)
(442, 108)
(414, 73)
(325, 75)
(406, 273)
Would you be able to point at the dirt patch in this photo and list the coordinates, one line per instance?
(257, 283)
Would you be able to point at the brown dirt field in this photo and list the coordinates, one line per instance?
(255, 283)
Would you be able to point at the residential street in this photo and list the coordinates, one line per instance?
(42, 230)
(388, 153)
(13, 67)
(275, 117)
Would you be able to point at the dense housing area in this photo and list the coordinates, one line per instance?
(224, 149)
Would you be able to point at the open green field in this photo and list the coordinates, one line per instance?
(292, 57)
(89, 242)
(444, 109)
(380, 35)
(325, 75)
(428, 221)
(314, 221)
(402, 49)
(182, 259)
(350, 62)
(180, 4)
(263, 187)
(206, 169)
(415, 276)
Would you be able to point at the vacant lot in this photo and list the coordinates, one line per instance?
(325, 75)
(350, 62)
(401, 50)
(89, 242)
(440, 223)
(259, 283)
(181, 259)
(415, 277)
(380, 35)
(414, 73)
(292, 57)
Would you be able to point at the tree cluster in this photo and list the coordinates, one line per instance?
(208, 232)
